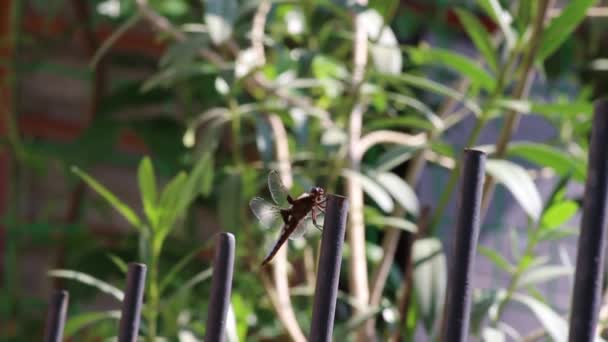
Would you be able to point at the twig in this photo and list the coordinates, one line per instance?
(391, 240)
(386, 136)
(521, 90)
(356, 226)
(256, 84)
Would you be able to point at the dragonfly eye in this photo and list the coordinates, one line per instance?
(317, 191)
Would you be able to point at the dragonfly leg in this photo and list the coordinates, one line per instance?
(314, 220)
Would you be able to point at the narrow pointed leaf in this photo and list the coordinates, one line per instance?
(147, 188)
(561, 28)
(519, 183)
(372, 189)
(114, 201)
(480, 37)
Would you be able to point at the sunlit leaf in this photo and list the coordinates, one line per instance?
(558, 214)
(556, 326)
(545, 155)
(502, 18)
(119, 205)
(394, 222)
(561, 28)
(519, 183)
(480, 37)
(219, 17)
(543, 274)
(88, 280)
(460, 63)
(399, 189)
(490, 334)
(430, 276)
(394, 156)
(435, 87)
(372, 189)
(385, 52)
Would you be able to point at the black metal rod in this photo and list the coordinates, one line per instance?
(586, 296)
(223, 267)
(328, 276)
(55, 320)
(131, 304)
(455, 327)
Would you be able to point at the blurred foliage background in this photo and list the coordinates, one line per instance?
(200, 99)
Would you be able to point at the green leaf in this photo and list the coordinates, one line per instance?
(168, 204)
(118, 262)
(147, 188)
(399, 189)
(409, 121)
(430, 276)
(557, 233)
(480, 37)
(372, 189)
(497, 259)
(434, 87)
(502, 18)
(393, 222)
(558, 214)
(560, 109)
(519, 183)
(79, 321)
(556, 326)
(198, 278)
(175, 269)
(462, 64)
(543, 274)
(483, 301)
(219, 17)
(545, 155)
(394, 156)
(561, 28)
(88, 280)
(119, 205)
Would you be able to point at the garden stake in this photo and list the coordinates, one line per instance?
(223, 267)
(131, 304)
(458, 292)
(328, 276)
(55, 320)
(586, 296)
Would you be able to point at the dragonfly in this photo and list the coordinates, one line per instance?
(295, 215)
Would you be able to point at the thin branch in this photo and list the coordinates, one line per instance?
(522, 89)
(359, 286)
(257, 30)
(390, 137)
(256, 84)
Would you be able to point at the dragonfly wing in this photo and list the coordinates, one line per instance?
(277, 189)
(300, 230)
(268, 214)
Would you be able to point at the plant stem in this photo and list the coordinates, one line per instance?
(521, 90)
(153, 297)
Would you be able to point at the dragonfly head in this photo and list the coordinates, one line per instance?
(317, 191)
